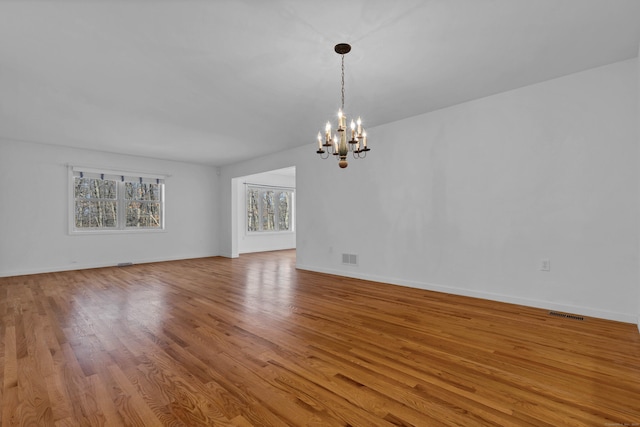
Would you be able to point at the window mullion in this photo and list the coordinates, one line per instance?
(275, 212)
(121, 205)
(260, 211)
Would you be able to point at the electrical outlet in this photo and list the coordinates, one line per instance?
(545, 264)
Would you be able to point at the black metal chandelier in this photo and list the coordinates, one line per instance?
(338, 145)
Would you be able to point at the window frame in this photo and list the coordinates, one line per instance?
(121, 177)
(276, 189)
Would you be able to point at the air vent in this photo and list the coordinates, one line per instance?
(350, 259)
(565, 315)
(125, 264)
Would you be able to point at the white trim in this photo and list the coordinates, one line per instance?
(93, 169)
(73, 231)
(586, 311)
(292, 228)
(98, 231)
(74, 267)
(267, 233)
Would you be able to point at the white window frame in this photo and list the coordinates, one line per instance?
(121, 177)
(260, 187)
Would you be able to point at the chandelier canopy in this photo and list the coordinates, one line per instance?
(338, 145)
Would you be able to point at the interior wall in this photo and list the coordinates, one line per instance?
(470, 199)
(264, 241)
(35, 207)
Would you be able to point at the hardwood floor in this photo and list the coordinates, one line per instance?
(254, 342)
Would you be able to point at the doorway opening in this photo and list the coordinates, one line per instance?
(265, 211)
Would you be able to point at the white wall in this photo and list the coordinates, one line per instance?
(264, 241)
(34, 212)
(469, 199)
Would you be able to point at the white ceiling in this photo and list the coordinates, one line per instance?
(221, 81)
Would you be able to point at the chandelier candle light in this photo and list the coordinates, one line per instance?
(337, 144)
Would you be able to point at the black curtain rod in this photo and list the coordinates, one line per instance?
(269, 186)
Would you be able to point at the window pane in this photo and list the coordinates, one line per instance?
(93, 188)
(82, 188)
(284, 210)
(268, 211)
(143, 214)
(253, 215)
(95, 214)
(141, 191)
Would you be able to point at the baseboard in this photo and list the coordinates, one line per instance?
(510, 299)
(87, 266)
(266, 249)
(226, 254)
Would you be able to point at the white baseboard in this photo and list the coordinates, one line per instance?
(86, 266)
(229, 254)
(547, 305)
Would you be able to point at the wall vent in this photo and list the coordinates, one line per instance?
(350, 259)
(565, 315)
(124, 264)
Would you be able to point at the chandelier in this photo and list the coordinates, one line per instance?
(338, 145)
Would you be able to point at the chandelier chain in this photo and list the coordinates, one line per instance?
(342, 82)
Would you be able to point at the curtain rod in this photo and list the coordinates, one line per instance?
(269, 186)
(91, 169)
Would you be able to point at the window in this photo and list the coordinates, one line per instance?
(143, 204)
(96, 203)
(269, 209)
(115, 201)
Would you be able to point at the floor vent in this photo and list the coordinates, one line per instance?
(351, 259)
(566, 316)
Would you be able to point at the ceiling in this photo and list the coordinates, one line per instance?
(221, 81)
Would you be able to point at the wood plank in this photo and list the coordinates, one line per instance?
(253, 341)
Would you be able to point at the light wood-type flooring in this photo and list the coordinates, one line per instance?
(254, 342)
